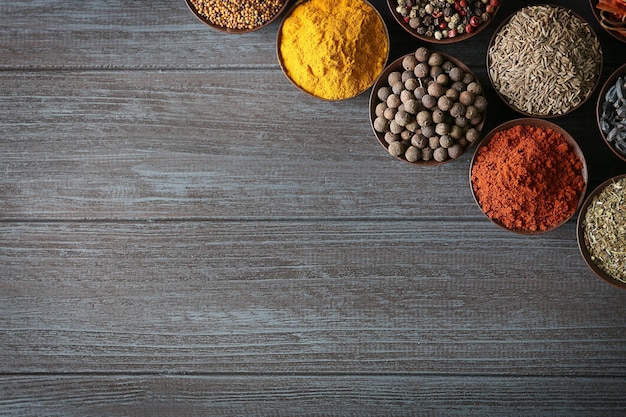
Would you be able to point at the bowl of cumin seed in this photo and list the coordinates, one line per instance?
(544, 61)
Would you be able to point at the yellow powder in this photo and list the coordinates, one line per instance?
(333, 49)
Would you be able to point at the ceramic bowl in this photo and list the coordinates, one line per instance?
(405, 24)
(620, 72)
(503, 97)
(580, 234)
(609, 26)
(215, 26)
(382, 81)
(284, 68)
(544, 124)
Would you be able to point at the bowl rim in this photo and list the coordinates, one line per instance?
(552, 115)
(596, 14)
(533, 121)
(430, 39)
(310, 94)
(373, 102)
(580, 236)
(234, 31)
(621, 70)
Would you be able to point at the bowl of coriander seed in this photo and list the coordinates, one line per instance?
(237, 17)
(601, 231)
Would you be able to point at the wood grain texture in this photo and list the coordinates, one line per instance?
(297, 297)
(285, 395)
(183, 232)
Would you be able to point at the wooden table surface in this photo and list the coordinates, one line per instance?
(183, 232)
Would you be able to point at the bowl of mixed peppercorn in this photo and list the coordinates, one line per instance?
(237, 16)
(443, 21)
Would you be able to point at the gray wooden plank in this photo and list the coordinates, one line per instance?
(155, 144)
(303, 297)
(121, 34)
(286, 395)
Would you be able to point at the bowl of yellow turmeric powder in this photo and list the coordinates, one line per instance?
(332, 49)
(237, 17)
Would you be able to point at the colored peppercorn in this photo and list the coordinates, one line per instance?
(443, 20)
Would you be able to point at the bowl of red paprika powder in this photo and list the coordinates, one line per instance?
(528, 176)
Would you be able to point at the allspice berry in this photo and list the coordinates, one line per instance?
(457, 110)
(396, 148)
(421, 70)
(436, 90)
(440, 154)
(456, 74)
(394, 77)
(424, 118)
(412, 106)
(411, 84)
(402, 118)
(435, 59)
(409, 62)
(413, 154)
(380, 108)
(466, 98)
(422, 54)
(455, 151)
(393, 101)
(429, 101)
(383, 93)
(381, 124)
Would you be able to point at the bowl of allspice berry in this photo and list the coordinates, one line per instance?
(427, 108)
(237, 17)
(440, 21)
(601, 231)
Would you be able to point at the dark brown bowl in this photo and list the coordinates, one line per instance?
(511, 105)
(284, 69)
(382, 80)
(209, 23)
(621, 71)
(392, 4)
(580, 234)
(541, 123)
(598, 15)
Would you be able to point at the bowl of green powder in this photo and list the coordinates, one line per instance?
(601, 231)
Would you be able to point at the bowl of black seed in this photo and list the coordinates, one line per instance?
(611, 112)
(440, 22)
(237, 17)
(427, 108)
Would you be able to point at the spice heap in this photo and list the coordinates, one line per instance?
(527, 178)
(446, 19)
(605, 229)
(545, 60)
(333, 49)
(239, 15)
(613, 114)
(429, 108)
(613, 15)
